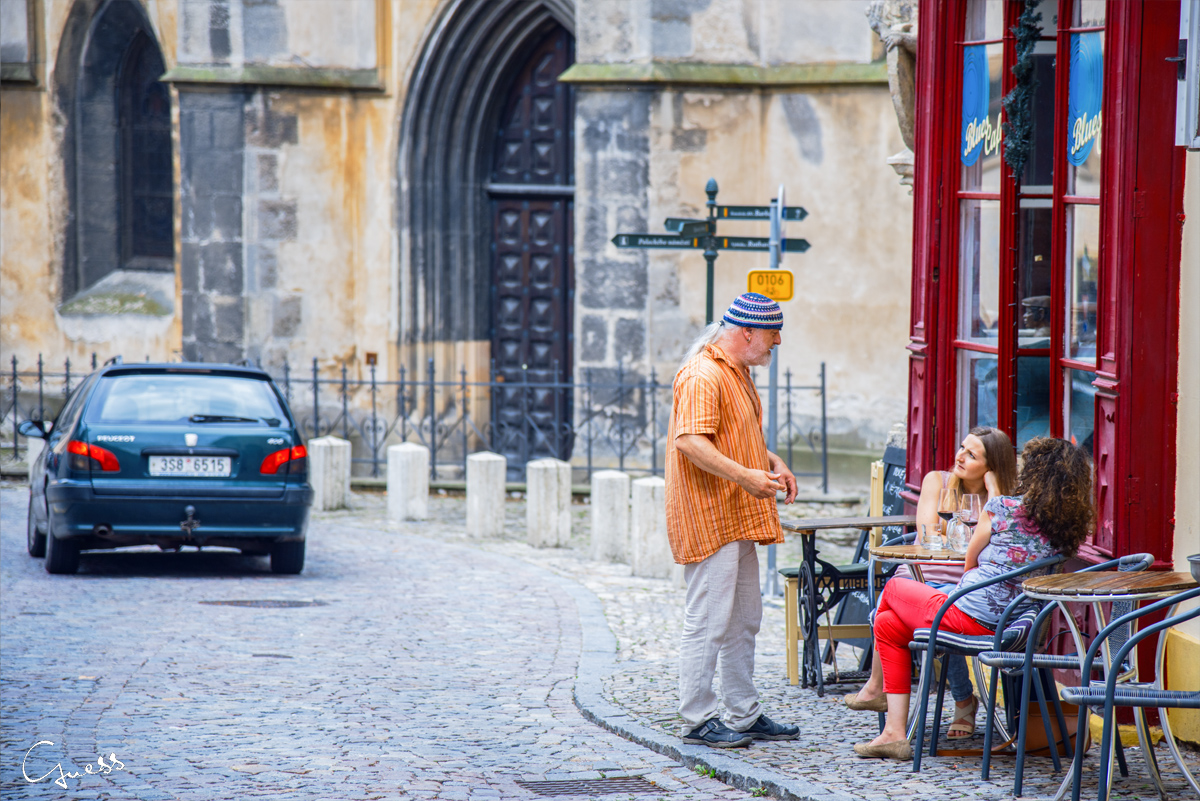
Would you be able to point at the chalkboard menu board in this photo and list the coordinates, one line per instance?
(893, 484)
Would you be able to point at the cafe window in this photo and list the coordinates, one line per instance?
(1029, 242)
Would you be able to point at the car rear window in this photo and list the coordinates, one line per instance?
(180, 398)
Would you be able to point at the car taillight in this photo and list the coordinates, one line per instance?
(92, 457)
(296, 459)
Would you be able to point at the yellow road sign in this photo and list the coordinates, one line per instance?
(775, 284)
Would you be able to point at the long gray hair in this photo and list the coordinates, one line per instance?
(711, 333)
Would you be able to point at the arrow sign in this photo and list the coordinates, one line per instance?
(690, 227)
(760, 243)
(795, 213)
(655, 241)
(677, 224)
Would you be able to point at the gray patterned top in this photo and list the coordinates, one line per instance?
(1015, 542)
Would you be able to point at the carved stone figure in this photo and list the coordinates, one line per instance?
(895, 21)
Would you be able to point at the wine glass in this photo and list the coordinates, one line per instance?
(969, 508)
(947, 505)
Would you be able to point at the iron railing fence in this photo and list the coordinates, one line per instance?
(608, 419)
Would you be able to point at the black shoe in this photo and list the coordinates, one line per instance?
(716, 734)
(766, 729)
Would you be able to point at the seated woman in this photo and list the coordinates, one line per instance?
(1052, 516)
(985, 465)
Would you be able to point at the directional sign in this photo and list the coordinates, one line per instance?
(795, 213)
(656, 241)
(760, 243)
(775, 284)
(677, 224)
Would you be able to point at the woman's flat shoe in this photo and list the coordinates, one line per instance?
(963, 724)
(874, 705)
(900, 749)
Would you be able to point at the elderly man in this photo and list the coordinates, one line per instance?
(721, 486)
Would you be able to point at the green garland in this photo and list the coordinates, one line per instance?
(1018, 104)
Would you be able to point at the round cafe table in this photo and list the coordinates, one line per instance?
(1110, 586)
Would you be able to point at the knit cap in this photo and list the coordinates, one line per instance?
(752, 310)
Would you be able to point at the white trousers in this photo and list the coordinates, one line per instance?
(722, 615)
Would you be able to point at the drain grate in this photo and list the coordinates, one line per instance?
(266, 604)
(629, 784)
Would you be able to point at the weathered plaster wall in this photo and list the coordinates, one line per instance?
(826, 143)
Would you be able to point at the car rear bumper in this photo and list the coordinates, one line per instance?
(107, 521)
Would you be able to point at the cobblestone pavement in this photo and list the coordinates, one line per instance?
(441, 666)
(431, 669)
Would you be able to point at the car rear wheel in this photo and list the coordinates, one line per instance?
(62, 556)
(35, 542)
(287, 557)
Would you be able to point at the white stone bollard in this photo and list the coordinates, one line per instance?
(485, 494)
(610, 516)
(329, 472)
(651, 551)
(407, 482)
(548, 503)
(34, 447)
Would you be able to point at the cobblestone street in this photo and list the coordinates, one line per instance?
(432, 665)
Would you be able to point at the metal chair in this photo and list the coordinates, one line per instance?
(1139, 695)
(1013, 663)
(1011, 636)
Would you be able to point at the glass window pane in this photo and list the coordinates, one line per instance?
(1038, 175)
(1088, 14)
(979, 145)
(979, 271)
(1033, 398)
(1033, 272)
(1080, 418)
(1083, 257)
(1085, 96)
(977, 390)
(985, 20)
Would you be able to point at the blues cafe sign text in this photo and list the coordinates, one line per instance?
(980, 134)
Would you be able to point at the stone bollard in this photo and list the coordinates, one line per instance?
(33, 449)
(651, 551)
(329, 472)
(407, 482)
(485, 494)
(548, 503)
(610, 516)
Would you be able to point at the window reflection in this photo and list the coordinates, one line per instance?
(1083, 257)
(1033, 398)
(979, 276)
(983, 71)
(1033, 272)
(977, 393)
(1088, 14)
(1080, 419)
(985, 20)
(1038, 174)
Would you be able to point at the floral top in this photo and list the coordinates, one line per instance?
(1015, 542)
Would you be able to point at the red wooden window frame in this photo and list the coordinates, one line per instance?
(1141, 205)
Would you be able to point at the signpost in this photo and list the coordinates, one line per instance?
(701, 234)
(693, 234)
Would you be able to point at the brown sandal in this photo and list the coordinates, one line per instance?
(962, 725)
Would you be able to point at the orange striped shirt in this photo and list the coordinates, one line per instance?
(705, 512)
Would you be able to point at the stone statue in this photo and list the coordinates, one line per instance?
(895, 21)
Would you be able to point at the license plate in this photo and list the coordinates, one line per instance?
(190, 466)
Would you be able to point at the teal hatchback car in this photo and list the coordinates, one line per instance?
(170, 455)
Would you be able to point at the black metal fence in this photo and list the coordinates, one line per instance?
(610, 419)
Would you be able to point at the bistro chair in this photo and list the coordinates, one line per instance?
(1012, 663)
(1010, 636)
(1139, 695)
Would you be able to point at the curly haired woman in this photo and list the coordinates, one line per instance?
(1053, 515)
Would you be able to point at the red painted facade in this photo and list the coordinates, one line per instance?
(1137, 297)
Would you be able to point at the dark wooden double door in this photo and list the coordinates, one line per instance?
(531, 195)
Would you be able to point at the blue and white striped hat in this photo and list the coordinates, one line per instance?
(752, 310)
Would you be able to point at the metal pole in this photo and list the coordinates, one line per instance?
(67, 385)
(462, 371)
(620, 416)
(555, 398)
(401, 402)
(374, 425)
(41, 387)
(710, 247)
(587, 377)
(653, 423)
(316, 407)
(287, 382)
(16, 411)
(433, 424)
(824, 438)
(345, 415)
